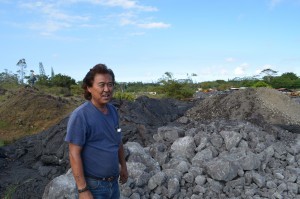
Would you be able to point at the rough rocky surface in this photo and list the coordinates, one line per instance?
(227, 146)
(260, 106)
(29, 164)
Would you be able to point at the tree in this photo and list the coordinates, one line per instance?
(22, 64)
(8, 78)
(52, 72)
(43, 80)
(175, 89)
(290, 75)
(62, 81)
(269, 73)
(169, 75)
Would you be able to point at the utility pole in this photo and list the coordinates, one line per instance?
(42, 70)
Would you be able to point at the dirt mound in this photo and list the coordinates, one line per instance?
(260, 106)
(28, 111)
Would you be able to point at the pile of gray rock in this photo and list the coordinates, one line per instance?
(227, 146)
(221, 159)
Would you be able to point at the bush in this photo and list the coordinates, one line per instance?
(177, 90)
(261, 84)
(124, 96)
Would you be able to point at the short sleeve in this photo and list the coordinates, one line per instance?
(76, 129)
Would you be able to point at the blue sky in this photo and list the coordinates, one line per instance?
(141, 40)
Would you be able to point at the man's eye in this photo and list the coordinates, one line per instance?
(109, 85)
(101, 85)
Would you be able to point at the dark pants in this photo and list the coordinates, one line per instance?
(103, 189)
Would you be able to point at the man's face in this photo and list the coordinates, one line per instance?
(102, 89)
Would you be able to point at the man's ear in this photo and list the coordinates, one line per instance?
(89, 89)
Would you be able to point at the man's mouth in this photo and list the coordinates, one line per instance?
(106, 95)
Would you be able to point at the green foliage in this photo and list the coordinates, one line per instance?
(62, 81)
(166, 86)
(8, 79)
(2, 143)
(296, 83)
(137, 87)
(124, 96)
(291, 76)
(76, 90)
(286, 80)
(269, 74)
(10, 191)
(177, 90)
(43, 80)
(261, 84)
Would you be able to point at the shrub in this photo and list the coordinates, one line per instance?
(261, 84)
(124, 96)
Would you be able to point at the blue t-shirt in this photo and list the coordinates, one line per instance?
(99, 138)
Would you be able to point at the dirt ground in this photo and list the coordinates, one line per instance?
(29, 111)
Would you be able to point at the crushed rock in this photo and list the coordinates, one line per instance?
(260, 106)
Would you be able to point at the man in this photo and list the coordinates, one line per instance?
(95, 141)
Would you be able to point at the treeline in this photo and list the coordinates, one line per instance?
(167, 86)
(287, 80)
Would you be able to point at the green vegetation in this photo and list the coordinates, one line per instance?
(124, 96)
(260, 84)
(167, 86)
(2, 143)
(12, 189)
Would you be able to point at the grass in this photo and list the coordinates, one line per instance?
(2, 143)
(3, 124)
(10, 191)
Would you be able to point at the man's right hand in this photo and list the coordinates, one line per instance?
(86, 195)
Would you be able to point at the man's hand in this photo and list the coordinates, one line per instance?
(123, 174)
(86, 195)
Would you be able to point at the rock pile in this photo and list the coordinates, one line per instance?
(221, 159)
(29, 164)
(260, 106)
(227, 146)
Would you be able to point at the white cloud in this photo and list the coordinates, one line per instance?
(274, 3)
(126, 4)
(52, 11)
(54, 17)
(230, 59)
(51, 18)
(127, 18)
(137, 33)
(241, 70)
(154, 25)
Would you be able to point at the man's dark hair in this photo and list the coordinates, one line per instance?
(88, 80)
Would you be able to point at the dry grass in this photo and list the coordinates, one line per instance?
(28, 111)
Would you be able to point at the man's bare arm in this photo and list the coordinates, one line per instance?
(122, 161)
(77, 169)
